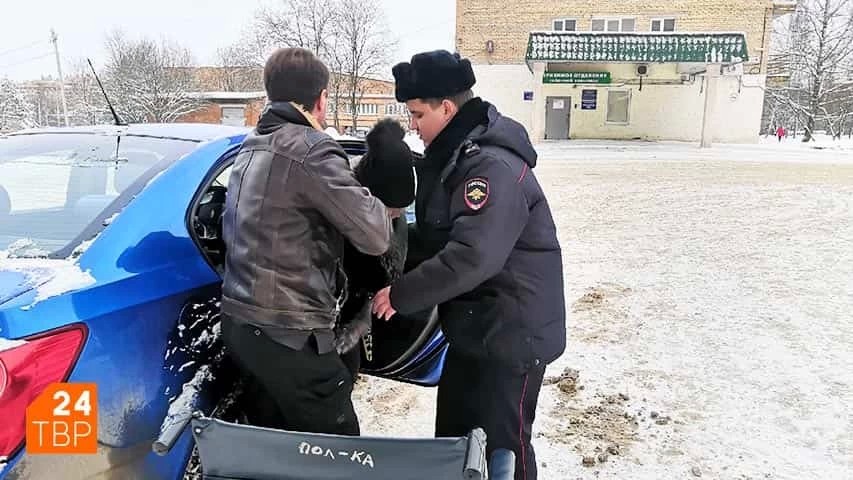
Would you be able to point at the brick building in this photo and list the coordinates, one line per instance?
(377, 102)
(221, 104)
(623, 69)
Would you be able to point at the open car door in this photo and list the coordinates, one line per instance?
(408, 348)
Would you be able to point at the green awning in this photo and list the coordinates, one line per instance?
(596, 47)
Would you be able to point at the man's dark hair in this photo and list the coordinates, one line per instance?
(295, 75)
(457, 99)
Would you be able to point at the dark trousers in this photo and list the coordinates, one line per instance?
(309, 392)
(479, 393)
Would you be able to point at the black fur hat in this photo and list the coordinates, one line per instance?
(386, 168)
(433, 74)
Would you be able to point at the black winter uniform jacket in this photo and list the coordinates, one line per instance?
(491, 258)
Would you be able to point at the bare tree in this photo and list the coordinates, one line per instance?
(308, 24)
(350, 36)
(15, 112)
(363, 46)
(150, 81)
(817, 46)
(237, 70)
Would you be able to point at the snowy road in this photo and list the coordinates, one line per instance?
(712, 290)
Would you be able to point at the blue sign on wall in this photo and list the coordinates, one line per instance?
(589, 99)
(528, 95)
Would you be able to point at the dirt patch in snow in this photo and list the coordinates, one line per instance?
(595, 431)
(603, 299)
(387, 399)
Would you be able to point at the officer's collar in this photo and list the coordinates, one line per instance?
(445, 146)
(466, 148)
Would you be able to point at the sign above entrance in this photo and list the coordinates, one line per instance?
(636, 47)
(576, 77)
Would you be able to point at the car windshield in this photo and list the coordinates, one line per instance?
(53, 185)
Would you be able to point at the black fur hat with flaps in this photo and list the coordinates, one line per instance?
(387, 167)
(433, 74)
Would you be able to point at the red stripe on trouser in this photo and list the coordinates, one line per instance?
(521, 427)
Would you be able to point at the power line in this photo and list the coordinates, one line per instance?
(8, 65)
(23, 47)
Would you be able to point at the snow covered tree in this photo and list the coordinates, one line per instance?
(86, 103)
(816, 45)
(15, 111)
(149, 81)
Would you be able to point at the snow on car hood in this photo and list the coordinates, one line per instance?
(49, 277)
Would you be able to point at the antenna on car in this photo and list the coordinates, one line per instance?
(107, 98)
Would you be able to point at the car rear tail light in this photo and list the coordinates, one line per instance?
(26, 370)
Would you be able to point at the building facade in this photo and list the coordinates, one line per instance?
(227, 108)
(623, 69)
(243, 107)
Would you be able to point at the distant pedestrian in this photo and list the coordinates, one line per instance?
(780, 132)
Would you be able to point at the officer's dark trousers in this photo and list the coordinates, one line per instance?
(479, 393)
(310, 392)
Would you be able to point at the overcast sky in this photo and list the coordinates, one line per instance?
(200, 25)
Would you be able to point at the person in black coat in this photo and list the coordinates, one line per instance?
(387, 170)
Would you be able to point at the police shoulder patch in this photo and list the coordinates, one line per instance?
(476, 193)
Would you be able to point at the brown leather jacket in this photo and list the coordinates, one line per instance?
(292, 201)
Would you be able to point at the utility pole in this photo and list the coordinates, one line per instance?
(712, 75)
(55, 43)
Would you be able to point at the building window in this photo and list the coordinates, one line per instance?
(613, 24)
(618, 105)
(663, 24)
(234, 115)
(565, 25)
(399, 109)
(367, 109)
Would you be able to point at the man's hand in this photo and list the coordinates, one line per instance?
(382, 304)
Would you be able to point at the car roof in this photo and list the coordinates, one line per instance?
(196, 132)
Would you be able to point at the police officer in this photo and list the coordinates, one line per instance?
(485, 250)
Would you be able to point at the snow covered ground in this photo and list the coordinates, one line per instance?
(709, 294)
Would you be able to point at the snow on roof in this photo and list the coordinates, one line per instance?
(257, 95)
(637, 47)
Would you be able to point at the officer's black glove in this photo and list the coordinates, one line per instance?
(348, 335)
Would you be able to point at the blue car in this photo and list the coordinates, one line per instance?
(110, 263)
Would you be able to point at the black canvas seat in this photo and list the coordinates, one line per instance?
(233, 451)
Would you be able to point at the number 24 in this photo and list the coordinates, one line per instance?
(82, 405)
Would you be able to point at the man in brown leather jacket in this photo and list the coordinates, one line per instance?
(292, 201)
